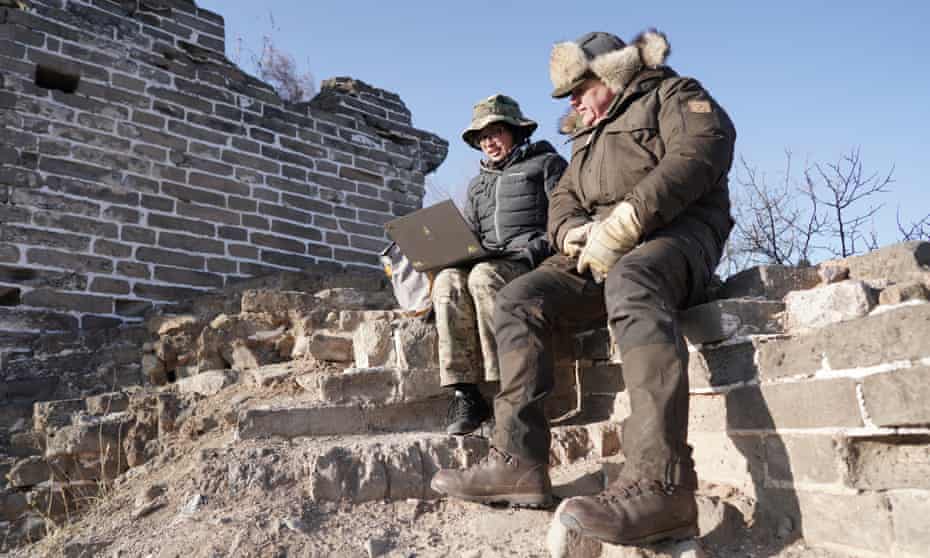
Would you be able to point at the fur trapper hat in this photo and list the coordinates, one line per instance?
(606, 57)
(497, 108)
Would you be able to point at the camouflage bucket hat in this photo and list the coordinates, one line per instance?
(496, 108)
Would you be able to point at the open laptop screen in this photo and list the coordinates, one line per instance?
(436, 237)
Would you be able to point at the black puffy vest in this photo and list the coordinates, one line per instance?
(507, 207)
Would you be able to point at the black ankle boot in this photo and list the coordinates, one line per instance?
(467, 411)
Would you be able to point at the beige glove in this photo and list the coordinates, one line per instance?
(574, 240)
(609, 240)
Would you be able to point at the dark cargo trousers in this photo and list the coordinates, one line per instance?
(640, 299)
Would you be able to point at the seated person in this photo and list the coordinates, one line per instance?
(506, 207)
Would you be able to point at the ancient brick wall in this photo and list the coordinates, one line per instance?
(168, 171)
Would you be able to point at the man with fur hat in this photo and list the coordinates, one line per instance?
(639, 219)
(506, 207)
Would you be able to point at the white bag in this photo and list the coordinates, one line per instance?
(412, 288)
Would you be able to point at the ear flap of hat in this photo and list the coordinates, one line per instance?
(653, 47)
(567, 63)
(617, 68)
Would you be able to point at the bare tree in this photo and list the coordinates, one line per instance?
(278, 68)
(772, 224)
(791, 221)
(915, 230)
(839, 188)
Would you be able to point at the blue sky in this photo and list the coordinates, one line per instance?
(815, 77)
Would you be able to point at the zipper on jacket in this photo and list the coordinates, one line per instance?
(497, 208)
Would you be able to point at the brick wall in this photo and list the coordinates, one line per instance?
(169, 171)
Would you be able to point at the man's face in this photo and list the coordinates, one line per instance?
(591, 99)
(496, 141)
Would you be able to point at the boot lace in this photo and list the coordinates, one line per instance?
(462, 407)
(626, 490)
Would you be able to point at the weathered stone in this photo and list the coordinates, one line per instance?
(404, 468)
(12, 505)
(897, 335)
(897, 263)
(300, 421)
(415, 344)
(373, 482)
(330, 347)
(354, 299)
(605, 438)
(58, 499)
(860, 522)
(278, 302)
(206, 383)
(732, 459)
(27, 443)
(728, 363)
(52, 415)
(315, 420)
(349, 320)
(569, 444)
(595, 344)
(271, 375)
(798, 460)
(832, 272)
(217, 341)
(898, 398)
(601, 377)
(419, 384)
(360, 385)
(167, 325)
(30, 472)
(243, 358)
(153, 368)
(373, 344)
(889, 462)
(903, 292)
(829, 304)
(806, 404)
(168, 407)
(107, 403)
(723, 319)
(769, 281)
(909, 511)
(96, 437)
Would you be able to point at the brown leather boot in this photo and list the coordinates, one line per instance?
(499, 478)
(634, 513)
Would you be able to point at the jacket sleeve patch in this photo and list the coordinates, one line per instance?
(700, 107)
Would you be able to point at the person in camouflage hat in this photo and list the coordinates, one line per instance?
(639, 219)
(506, 207)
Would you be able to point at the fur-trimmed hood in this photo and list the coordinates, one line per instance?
(570, 62)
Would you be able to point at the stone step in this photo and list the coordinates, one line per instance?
(771, 282)
(724, 319)
(889, 334)
(315, 419)
(722, 364)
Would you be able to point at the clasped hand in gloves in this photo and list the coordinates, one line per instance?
(608, 240)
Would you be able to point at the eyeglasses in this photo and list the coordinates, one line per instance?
(490, 132)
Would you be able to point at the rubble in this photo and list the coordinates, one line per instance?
(324, 409)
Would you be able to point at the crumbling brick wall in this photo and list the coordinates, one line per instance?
(168, 171)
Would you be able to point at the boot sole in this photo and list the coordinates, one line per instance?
(677, 534)
(534, 501)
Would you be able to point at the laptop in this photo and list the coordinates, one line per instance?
(436, 237)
